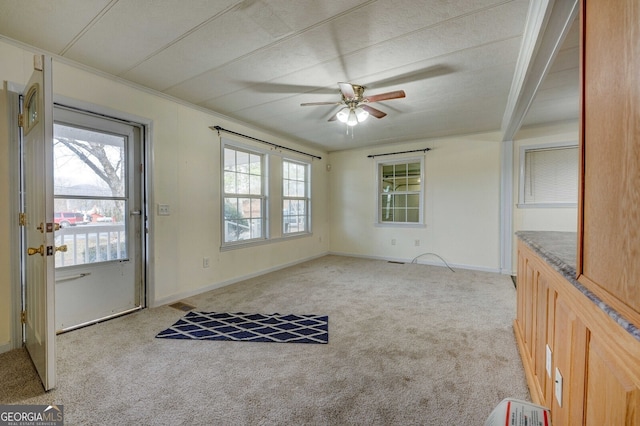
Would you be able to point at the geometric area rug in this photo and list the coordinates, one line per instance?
(250, 327)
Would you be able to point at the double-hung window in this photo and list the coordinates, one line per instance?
(400, 192)
(295, 197)
(244, 195)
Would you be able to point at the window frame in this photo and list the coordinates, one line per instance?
(421, 192)
(524, 149)
(306, 199)
(263, 197)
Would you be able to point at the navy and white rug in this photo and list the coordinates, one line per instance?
(250, 327)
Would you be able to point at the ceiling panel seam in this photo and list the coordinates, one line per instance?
(275, 42)
(270, 45)
(361, 78)
(181, 37)
(87, 27)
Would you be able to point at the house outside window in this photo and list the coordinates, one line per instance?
(400, 192)
(548, 176)
(296, 201)
(244, 195)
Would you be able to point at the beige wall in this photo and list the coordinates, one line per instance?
(462, 202)
(462, 199)
(185, 163)
(547, 218)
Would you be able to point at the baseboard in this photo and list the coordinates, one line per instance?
(419, 261)
(5, 347)
(179, 296)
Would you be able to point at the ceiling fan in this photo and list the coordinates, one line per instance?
(356, 106)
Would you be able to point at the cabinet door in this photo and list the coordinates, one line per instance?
(610, 241)
(613, 397)
(570, 345)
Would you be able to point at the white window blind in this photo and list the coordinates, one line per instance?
(550, 176)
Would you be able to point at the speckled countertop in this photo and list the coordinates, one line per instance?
(559, 250)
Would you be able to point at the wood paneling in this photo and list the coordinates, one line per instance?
(613, 398)
(610, 205)
(570, 344)
(598, 359)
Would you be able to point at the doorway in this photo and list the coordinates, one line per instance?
(99, 217)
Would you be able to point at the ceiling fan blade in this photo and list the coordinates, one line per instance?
(410, 77)
(386, 96)
(373, 111)
(319, 103)
(347, 90)
(266, 87)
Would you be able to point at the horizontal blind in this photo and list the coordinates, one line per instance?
(551, 176)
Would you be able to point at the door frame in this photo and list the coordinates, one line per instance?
(13, 92)
(12, 95)
(135, 193)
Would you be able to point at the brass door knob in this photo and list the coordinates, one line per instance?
(31, 251)
(62, 248)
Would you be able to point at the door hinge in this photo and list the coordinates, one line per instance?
(20, 120)
(22, 219)
(23, 317)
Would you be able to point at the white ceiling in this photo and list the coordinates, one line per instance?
(257, 60)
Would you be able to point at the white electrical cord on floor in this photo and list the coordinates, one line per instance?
(415, 259)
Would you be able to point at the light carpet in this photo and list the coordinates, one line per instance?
(410, 345)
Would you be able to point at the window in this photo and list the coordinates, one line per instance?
(400, 194)
(549, 176)
(295, 197)
(244, 195)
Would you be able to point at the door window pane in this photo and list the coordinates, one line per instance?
(88, 163)
(90, 203)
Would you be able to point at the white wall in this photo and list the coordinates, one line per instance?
(185, 163)
(461, 205)
(547, 218)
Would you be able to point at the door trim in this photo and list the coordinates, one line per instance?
(149, 295)
(13, 92)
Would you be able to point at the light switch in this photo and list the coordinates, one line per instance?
(558, 387)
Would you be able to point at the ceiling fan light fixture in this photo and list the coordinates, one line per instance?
(343, 115)
(361, 114)
(353, 119)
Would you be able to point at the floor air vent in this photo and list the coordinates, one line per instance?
(181, 306)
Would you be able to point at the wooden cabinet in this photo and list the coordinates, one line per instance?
(609, 221)
(568, 359)
(597, 359)
(612, 397)
(587, 321)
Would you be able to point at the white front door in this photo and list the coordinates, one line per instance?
(98, 204)
(37, 220)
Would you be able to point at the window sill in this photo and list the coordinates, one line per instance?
(255, 243)
(400, 225)
(546, 205)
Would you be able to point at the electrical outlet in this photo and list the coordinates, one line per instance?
(163, 210)
(548, 361)
(417, 243)
(206, 262)
(558, 387)
(393, 242)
